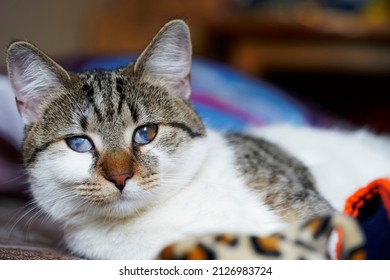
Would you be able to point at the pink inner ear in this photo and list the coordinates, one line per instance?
(28, 110)
(182, 87)
(20, 105)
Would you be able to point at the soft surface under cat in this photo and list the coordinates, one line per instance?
(121, 159)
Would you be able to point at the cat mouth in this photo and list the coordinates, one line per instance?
(126, 198)
(124, 206)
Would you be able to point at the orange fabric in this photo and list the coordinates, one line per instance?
(356, 201)
(339, 242)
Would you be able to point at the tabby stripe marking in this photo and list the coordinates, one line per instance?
(97, 111)
(88, 89)
(98, 81)
(133, 111)
(122, 97)
(184, 127)
(84, 122)
(91, 93)
(119, 85)
(37, 151)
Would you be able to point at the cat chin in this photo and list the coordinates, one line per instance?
(73, 213)
(118, 209)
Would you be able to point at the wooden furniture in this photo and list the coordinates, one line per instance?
(342, 66)
(257, 43)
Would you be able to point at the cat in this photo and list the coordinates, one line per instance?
(121, 159)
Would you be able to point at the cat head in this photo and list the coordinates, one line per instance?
(108, 143)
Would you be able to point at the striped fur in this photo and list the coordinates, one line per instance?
(283, 182)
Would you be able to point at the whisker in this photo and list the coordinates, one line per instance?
(28, 208)
(33, 206)
(14, 179)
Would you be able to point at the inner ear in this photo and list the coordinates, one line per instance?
(167, 59)
(34, 76)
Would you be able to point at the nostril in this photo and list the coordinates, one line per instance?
(120, 180)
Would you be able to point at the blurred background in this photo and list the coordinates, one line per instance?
(334, 53)
(323, 63)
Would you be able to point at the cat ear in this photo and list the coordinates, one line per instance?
(167, 59)
(33, 77)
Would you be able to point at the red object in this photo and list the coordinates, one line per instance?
(356, 201)
(354, 205)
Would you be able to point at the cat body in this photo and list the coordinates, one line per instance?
(122, 160)
(216, 199)
(212, 203)
(341, 161)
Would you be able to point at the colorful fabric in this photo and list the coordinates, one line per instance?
(370, 206)
(308, 240)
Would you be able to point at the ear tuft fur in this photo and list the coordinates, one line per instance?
(167, 59)
(33, 76)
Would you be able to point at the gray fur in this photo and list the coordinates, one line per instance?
(282, 181)
(99, 108)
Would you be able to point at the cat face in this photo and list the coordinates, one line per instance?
(108, 143)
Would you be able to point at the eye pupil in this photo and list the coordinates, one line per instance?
(145, 134)
(79, 144)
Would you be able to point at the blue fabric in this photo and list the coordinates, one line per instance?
(374, 220)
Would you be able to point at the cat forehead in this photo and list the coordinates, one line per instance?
(118, 98)
(108, 81)
(118, 89)
(102, 75)
(112, 83)
(108, 103)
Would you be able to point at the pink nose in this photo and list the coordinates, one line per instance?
(120, 180)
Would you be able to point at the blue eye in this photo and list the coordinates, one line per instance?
(145, 134)
(80, 144)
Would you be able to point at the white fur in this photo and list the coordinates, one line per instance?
(211, 197)
(34, 78)
(341, 161)
(49, 188)
(215, 200)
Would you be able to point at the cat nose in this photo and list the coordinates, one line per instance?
(120, 180)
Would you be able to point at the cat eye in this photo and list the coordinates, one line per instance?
(145, 134)
(80, 144)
